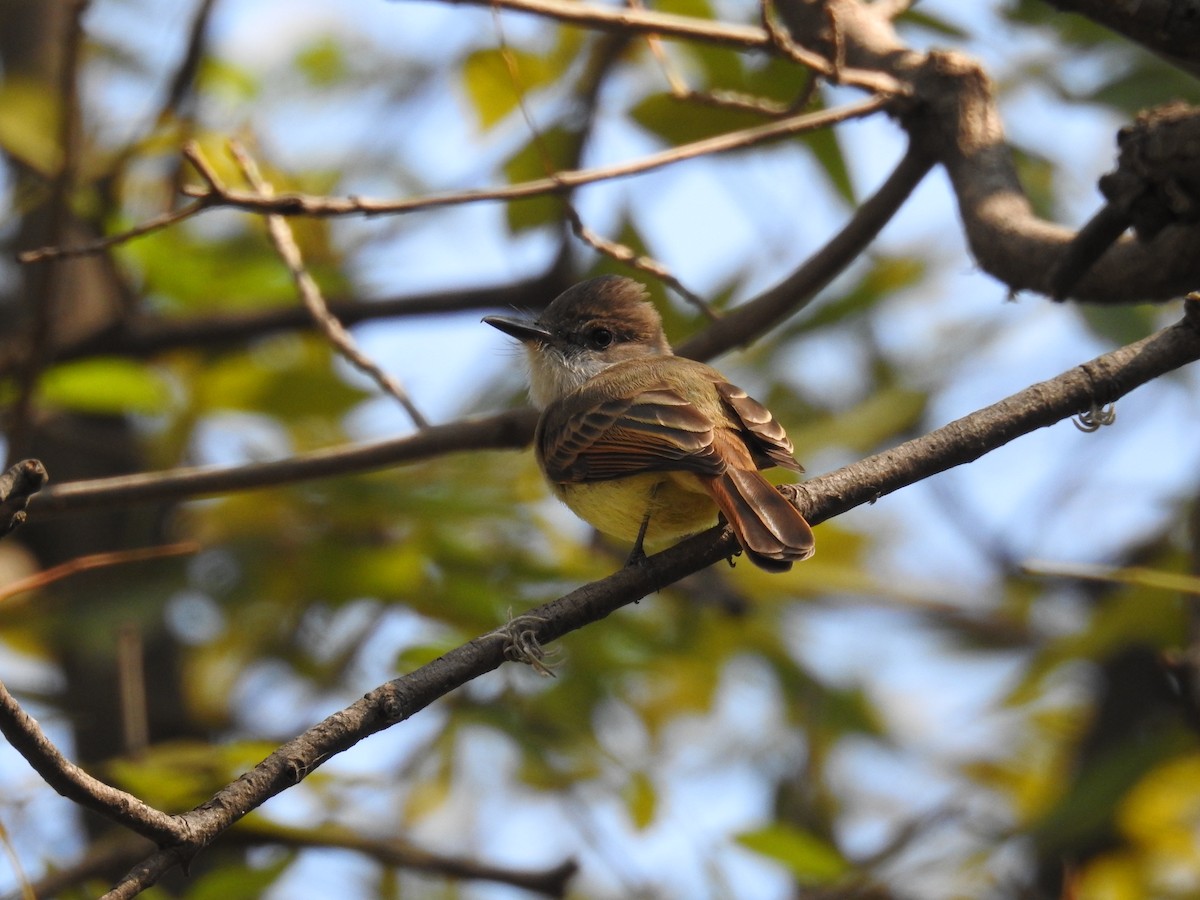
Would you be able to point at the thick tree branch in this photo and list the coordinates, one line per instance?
(1093, 384)
(1169, 28)
(955, 119)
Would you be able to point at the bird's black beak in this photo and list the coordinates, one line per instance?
(521, 329)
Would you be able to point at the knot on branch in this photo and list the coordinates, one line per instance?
(17, 485)
(1157, 179)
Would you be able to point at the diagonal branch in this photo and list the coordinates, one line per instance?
(327, 323)
(1169, 28)
(1093, 384)
(28, 739)
(750, 320)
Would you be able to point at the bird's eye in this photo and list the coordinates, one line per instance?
(599, 338)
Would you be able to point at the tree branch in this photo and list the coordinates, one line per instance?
(953, 116)
(504, 431)
(17, 486)
(1100, 381)
(1169, 28)
(310, 293)
(143, 337)
(28, 739)
(750, 320)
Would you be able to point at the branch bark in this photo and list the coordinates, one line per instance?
(1093, 384)
(1169, 28)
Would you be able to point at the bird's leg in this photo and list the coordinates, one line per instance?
(638, 554)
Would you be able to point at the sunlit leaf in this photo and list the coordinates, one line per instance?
(29, 124)
(106, 385)
(238, 882)
(641, 799)
(810, 859)
(680, 122)
(547, 153)
(323, 62)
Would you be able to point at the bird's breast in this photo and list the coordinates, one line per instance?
(678, 503)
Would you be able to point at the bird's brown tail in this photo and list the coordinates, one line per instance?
(771, 531)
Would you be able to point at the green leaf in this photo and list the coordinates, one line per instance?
(828, 153)
(106, 385)
(811, 859)
(490, 85)
(323, 62)
(495, 90)
(238, 882)
(682, 122)
(552, 151)
(29, 124)
(641, 799)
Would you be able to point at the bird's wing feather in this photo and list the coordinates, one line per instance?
(766, 439)
(654, 430)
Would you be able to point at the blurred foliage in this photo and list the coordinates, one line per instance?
(303, 597)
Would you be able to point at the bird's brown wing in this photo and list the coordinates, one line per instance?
(654, 430)
(767, 441)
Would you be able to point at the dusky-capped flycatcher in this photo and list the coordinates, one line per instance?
(645, 445)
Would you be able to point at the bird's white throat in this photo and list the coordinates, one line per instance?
(553, 375)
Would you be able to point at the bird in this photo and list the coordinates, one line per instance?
(648, 446)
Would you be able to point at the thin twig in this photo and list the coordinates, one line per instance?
(92, 561)
(328, 324)
(676, 82)
(215, 194)
(562, 182)
(622, 253)
(157, 223)
(748, 37)
(612, 249)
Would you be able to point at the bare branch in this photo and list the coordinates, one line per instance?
(562, 182)
(953, 116)
(1099, 381)
(157, 223)
(28, 739)
(510, 430)
(641, 21)
(394, 851)
(17, 486)
(336, 333)
(754, 318)
(149, 335)
(90, 562)
(1170, 28)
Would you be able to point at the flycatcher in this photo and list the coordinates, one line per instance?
(645, 445)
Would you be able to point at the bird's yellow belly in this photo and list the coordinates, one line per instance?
(677, 501)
